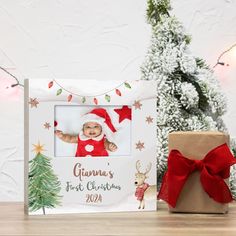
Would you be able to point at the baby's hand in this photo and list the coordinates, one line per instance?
(58, 133)
(112, 147)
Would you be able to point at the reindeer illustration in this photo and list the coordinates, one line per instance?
(143, 189)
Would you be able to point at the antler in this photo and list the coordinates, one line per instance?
(138, 165)
(148, 168)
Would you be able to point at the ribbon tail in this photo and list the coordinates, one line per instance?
(175, 177)
(171, 188)
(215, 187)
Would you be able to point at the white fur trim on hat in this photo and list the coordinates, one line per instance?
(92, 118)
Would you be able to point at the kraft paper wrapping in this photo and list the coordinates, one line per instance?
(195, 145)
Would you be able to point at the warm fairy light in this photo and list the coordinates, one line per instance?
(225, 66)
(231, 56)
(16, 82)
(7, 92)
(10, 87)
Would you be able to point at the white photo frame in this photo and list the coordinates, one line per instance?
(90, 146)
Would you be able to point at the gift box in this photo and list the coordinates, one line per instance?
(196, 180)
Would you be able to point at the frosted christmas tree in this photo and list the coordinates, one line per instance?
(189, 95)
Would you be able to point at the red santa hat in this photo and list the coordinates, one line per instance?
(100, 116)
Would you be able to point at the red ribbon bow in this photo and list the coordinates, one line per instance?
(214, 168)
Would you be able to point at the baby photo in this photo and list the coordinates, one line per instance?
(92, 131)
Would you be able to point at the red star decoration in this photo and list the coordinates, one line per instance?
(124, 113)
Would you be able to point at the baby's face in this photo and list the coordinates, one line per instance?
(92, 129)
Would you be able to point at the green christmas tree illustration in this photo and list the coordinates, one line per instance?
(44, 186)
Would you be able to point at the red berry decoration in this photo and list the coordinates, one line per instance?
(69, 98)
(50, 84)
(118, 92)
(95, 101)
(55, 123)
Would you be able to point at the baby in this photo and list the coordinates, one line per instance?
(91, 140)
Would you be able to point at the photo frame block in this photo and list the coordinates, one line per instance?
(90, 146)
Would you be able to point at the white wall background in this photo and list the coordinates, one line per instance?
(97, 39)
